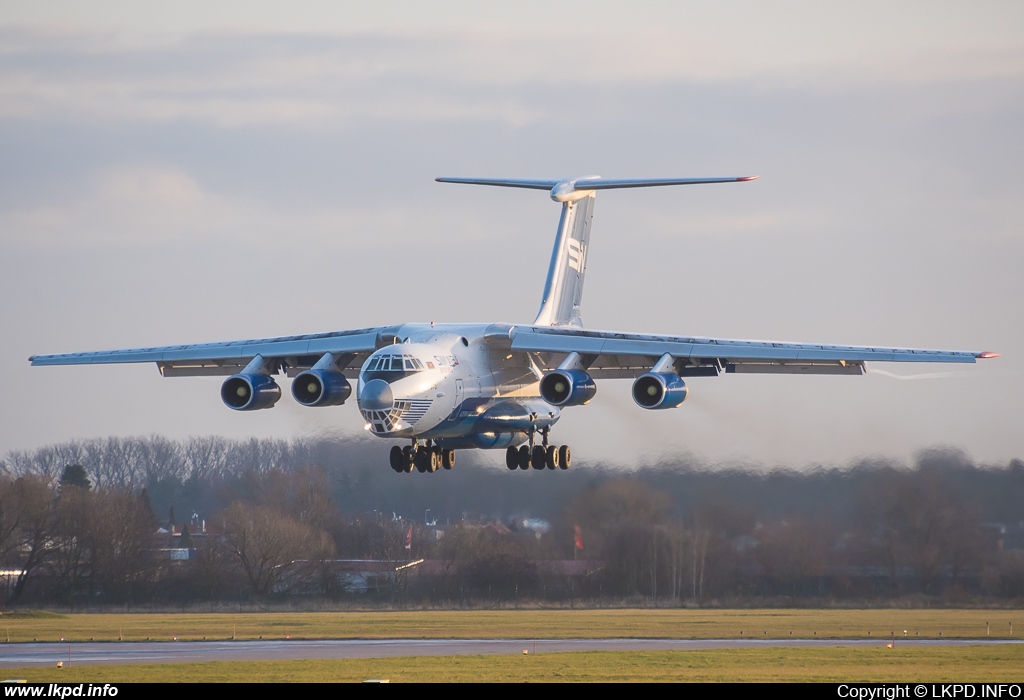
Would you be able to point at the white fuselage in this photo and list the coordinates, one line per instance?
(444, 382)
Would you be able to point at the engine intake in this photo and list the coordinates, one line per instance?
(250, 392)
(321, 387)
(567, 387)
(656, 390)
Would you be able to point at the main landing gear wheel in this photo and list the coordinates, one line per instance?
(512, 458)
(422, 460)
(448, 458)
(551, 458)
(564, 456)
(397, 459)
(539, 458)
(524, 457)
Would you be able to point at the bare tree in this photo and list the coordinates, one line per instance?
(275, 552)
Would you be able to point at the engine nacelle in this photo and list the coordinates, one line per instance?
(567, 387)
(659, 390)
(321, 387)
(249, 392)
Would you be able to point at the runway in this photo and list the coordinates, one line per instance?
(97, 653)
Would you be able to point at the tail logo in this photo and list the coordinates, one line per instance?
(577, 255)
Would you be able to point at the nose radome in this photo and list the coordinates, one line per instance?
(376, 395)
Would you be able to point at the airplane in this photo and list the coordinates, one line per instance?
(444, 387)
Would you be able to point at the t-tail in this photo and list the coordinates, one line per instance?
(563, 289)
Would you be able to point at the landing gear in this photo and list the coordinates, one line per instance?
(539, 457)
(524, 457)
(551, 457)
(543, 456)
(423, 458)
(397, 459)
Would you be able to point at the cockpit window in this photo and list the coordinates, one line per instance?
(391, 367)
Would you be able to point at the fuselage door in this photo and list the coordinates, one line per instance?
(460, 394)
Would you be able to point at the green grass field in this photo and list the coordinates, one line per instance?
(945, 664)
(971, 663)
(499, 624)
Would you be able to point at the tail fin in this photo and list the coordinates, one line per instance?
(563, 290)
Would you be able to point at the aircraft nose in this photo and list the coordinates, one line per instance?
(376, 395)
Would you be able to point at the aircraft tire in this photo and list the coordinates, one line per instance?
(565, 457)
(422, 461)
(524, 457)
(397, 459)
(551, 457)
(512, 458)
(409, 457)
(448, 459)
(539, 458)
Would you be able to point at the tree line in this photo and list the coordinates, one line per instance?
(150, 519)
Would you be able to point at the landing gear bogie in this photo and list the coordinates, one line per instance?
(538, 457)
(426, 459)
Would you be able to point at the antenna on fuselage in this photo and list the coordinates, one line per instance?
(563, 289)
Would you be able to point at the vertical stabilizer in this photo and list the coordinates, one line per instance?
(563, 290)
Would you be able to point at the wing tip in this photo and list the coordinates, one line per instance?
(748, 178)
(987, 355)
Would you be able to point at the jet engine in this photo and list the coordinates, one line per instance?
(249, 392)
(321, 387)
(567, 387)
(659, 390)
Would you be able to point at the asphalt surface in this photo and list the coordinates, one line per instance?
(95, 653)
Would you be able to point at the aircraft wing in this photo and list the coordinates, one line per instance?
(610, 354)
(293, 353)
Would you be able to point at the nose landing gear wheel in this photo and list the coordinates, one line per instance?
(512, 458)
(551, 458)
(410, 459)
(565, 457)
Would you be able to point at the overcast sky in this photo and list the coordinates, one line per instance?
(197, 172)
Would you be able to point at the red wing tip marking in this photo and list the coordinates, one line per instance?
(748, 178)
(987, 355)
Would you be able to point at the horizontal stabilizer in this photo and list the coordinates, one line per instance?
(531, 184)
(575, 188)
(608, 184)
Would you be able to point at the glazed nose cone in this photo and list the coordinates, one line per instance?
(376, 395)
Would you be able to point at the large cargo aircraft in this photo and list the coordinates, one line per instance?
(445, 387)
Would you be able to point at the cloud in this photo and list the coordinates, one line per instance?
(148, 205)
(463, 72)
